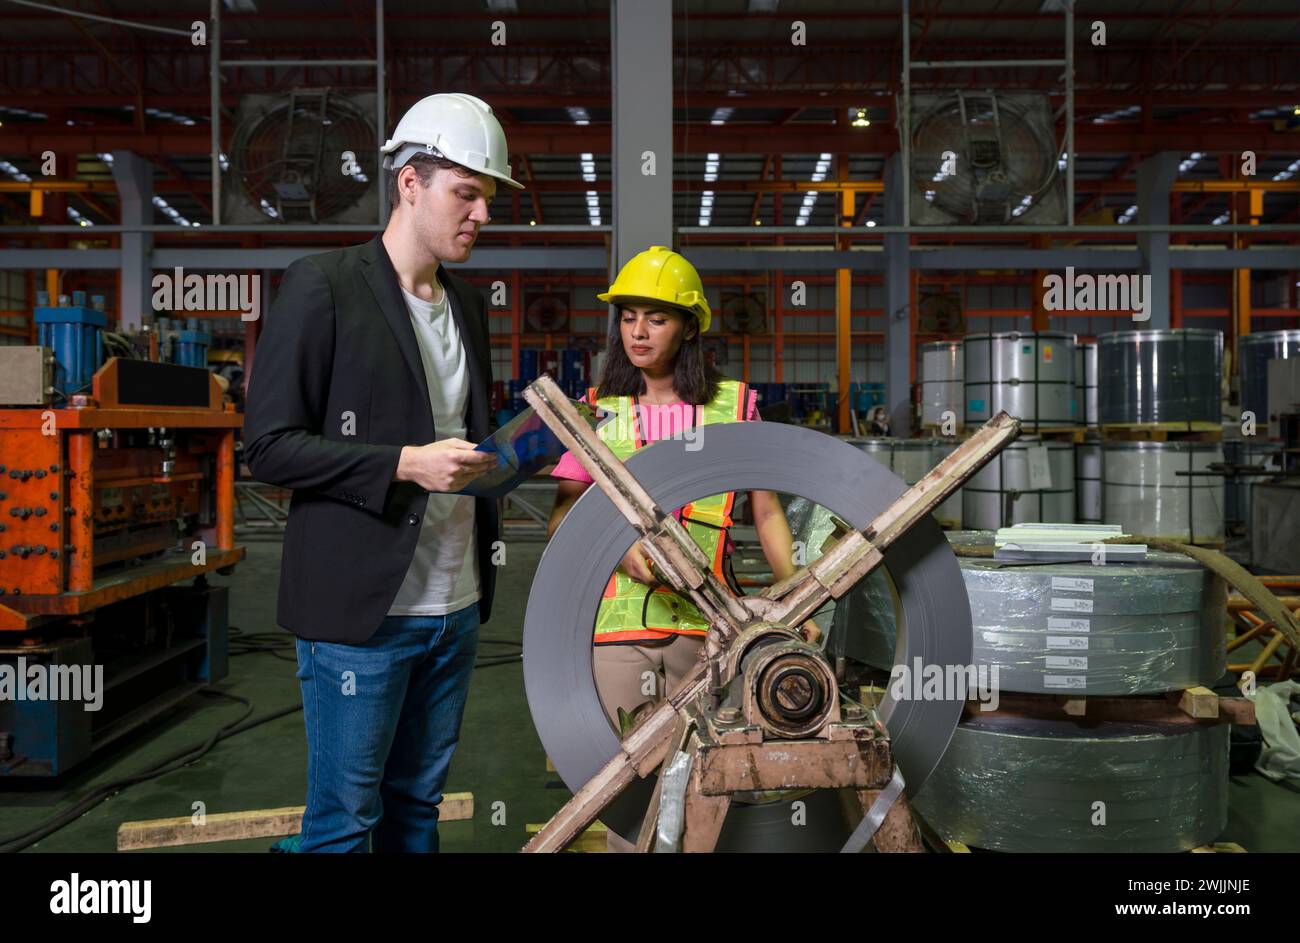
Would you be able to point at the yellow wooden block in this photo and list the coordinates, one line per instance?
(253, 823)
(593, 840)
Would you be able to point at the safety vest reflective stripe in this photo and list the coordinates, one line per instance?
(625, 612)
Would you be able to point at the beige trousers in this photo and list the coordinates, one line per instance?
(628, 676)
(624, 673)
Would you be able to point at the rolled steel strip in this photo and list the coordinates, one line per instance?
(1016, 785)
(1056, 628)
(1164, 489)
(1254, 351)
(1030, 375)
(1160, 376)
(573, 570)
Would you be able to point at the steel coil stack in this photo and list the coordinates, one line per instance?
(1165, 489)
(1160, 378)
(942, 390)
(1085, 384)
(910, 459)
(1254, 351)
(1024, 785)
(1031, 480)
(1030, 375)
(1017, 781)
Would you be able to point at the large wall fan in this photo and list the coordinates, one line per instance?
(985, 158)
(289, 159)
(546, 312)
(744, 313)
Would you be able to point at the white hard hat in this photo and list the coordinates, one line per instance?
(460, 127)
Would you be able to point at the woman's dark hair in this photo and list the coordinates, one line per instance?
(694, 379)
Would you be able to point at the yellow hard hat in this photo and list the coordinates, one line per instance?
(660, 274)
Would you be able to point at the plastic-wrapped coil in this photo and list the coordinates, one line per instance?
(1164, 489)
(1085, 383)
(1004, 491)
(1254, 351)
(1016, 785)
(1115, 629)
(1030, 375)
(1159, 376)
(1087, 482)
(941, 382)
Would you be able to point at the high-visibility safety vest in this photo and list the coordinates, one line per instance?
(631, 611)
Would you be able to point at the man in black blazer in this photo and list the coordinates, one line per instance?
(369, 389)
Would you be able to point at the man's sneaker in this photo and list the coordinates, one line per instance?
(287, 846)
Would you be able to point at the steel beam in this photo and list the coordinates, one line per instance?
(641, 50)
(214, 107)
(134, 177)
(706, 259)
(1155, 180)
(536, 138)
(898, 308)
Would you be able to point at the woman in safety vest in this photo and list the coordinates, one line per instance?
(657, 382)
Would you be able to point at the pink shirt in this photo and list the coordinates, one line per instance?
(667, 421)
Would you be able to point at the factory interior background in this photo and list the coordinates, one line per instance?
(906, 216)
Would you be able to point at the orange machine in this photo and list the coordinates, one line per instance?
(108, 503)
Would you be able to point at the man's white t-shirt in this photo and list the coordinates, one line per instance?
(444, 573)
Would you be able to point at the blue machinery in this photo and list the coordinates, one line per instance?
(75, 333)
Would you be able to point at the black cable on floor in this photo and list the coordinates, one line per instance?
(279, 644)
(183, 757)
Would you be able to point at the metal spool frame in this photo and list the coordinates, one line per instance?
(587, 547)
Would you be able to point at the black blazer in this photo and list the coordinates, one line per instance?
(338, 348)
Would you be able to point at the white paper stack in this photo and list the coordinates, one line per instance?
(1056, 543)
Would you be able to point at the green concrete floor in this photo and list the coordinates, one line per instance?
(500, 758)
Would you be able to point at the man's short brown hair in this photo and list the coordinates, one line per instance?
(425, 165)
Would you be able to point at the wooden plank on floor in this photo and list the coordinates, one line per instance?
(593, 840)
(253, 823)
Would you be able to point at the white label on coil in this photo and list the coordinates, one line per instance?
(1040, 472)
(1077, 642)
(1071, 605)
(1068, 661)
(1076, 682)
(1068, 583)
(1055, 624)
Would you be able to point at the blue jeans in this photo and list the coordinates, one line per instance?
(383, 719)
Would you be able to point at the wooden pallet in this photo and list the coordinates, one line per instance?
(932, 430)
(1195, 705)
(952, 846)
(1163, 432)
(1057, 433)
